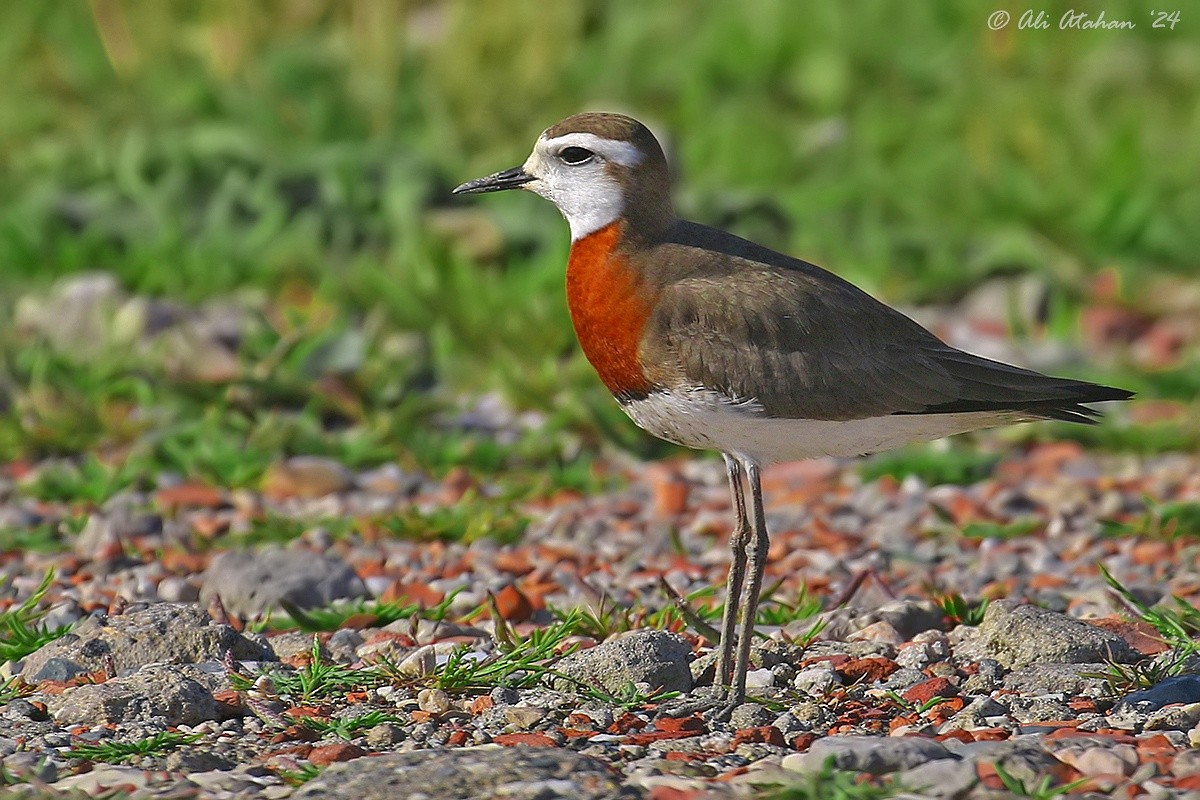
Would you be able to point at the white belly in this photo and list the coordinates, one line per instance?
(706, 420)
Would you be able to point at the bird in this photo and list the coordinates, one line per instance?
(714, 342)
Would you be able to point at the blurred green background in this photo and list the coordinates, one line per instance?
(294, 158)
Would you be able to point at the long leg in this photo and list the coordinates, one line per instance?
(756, 552)
(737, 572)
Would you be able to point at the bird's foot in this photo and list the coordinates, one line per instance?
(725, 702)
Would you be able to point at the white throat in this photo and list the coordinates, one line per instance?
(587, 195)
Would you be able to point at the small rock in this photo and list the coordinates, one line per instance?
(523, 717)
(1017, 635)
(1119, 759)
(881, 631)
(305, 477)
(172, 693)
(1179, 689)
(385, 735)
(174, 589)
(750, 715)
(874, 754)
(759, 678)
(101, 779)
(1074, 679)
(163, 632)
(644, 656)
(434, 701)
(515, 773)
(253, 582)
(943, 778)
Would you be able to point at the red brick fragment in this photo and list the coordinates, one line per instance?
(1155, 742)
(456, 738)
(802, 741)
(229, 703)
(991, 734)
(958, 733)
(658, 736)
(674, 793)
(925, 691)
(295, 733)
(763, 734)
(1188, 782)
(625, 723)
(527, 739)
(867, 670)
(513, 605)
(325, 755)
(576, 733)
(422, 594)
(192, 494)
(692, 723)
(1138, 635)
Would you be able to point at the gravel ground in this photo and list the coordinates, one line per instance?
(891, 686)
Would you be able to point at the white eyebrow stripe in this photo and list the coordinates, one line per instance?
(623, 153)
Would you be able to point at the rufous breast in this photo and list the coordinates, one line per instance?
(610, 305)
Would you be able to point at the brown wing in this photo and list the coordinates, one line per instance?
(808, 345)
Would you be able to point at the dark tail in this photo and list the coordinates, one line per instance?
(987, 385)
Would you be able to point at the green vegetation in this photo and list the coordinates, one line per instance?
(961, 611)
(934, 464)
(995, 530)
(1161, 520)
(122, 752)
(835, 784)
(316, 680)
(364, 613)
(20, 633)
(1178, 626)
(1121, 679)
(1044, 789)
(349, 727)
(518, 662)
(907, 705)
(301, 776)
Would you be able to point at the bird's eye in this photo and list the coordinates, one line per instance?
(575, 155)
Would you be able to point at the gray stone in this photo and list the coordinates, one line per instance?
(101, 779)
(174, 589)
(878, 755)
(522, 718)
(943, 779)
(654, 657)
(750, 715)
(75, 315)
(515, 773)
(908, 617)
(253, 582)
(1024, 759)
(164, 632)
(193, 760)
(1187, 762)
(1017, 635)
(175, 694)
(385, 735)
(59, 670)
(25, 766)
(1072, 679)
(1179, 689)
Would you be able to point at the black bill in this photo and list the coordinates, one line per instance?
(508, 179)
